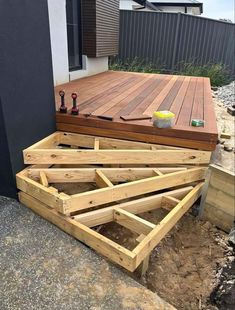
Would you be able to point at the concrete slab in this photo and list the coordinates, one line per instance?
(41, 267)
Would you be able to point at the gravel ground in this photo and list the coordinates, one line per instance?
(41, 267)
(226, 94)
(224, 154)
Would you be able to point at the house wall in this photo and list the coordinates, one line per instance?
(100, 21)
(127, 4)
(59, 48)
(27, 112)
(180, 9)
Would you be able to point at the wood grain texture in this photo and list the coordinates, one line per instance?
(127, 93)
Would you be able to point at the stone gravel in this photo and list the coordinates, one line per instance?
(226, 94)
(41, 267)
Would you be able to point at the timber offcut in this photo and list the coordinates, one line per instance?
(111, 105)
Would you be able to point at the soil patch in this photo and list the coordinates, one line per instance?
(185, 268)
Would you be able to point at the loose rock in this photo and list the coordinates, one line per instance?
(226, 94)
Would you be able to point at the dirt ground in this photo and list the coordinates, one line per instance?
(225, 123)
(184, 268)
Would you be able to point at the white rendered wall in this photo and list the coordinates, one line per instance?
(127, 4)
(91, 66)
(59, 48)
(180, 9)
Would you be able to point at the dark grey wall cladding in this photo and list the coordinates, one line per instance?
(167, 39)
(26, 83)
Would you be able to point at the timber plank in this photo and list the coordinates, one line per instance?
(145, 247)
(101, 244)
(136, 93)
(136, 136)
(167, 102)
(72, 156)
(140, 126)
(186, 108)
(138, 206)
(122, 191)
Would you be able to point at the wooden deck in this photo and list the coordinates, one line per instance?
(123, 93)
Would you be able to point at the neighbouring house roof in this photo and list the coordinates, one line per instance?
(153, 4)
(147, 4)
(190, 3)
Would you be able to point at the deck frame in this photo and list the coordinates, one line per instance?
(118, 254)
(107, 191)
(93, 150)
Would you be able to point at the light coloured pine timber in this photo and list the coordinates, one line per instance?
(96, 144)
(53, 189)
(140, 238)
(118, 192)
(43, 179)
(169, 202)
(143, 267)
(132, 222)
(108, 143)
(157, 234)
(49, 142)
(70, 175)
(101, 244)
(157, 171)
(101, 180)
(48, 195)
(77, 139)
(138, 206)
(68, 156)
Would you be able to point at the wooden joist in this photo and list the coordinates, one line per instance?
(145, 247)
(108, 151)
(71, 156)
(137, 206)
(108, 193)
(150, 234)
(115, 175)
(131, 189)
(101, 180)
(132, 222)
(125, 188)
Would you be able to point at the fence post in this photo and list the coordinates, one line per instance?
(177, 32)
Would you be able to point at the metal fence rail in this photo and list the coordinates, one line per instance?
(168, 39)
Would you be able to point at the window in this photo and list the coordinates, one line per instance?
(73, 14)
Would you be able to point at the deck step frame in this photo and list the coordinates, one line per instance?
(128, 259)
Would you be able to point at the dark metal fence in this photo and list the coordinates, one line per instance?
(169, 39)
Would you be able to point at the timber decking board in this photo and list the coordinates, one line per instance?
(125, 93)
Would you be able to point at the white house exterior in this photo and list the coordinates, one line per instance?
(173, 6)
(59, 48)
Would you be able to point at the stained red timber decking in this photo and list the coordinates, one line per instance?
(126, 93)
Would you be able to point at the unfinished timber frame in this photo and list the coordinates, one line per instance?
(150, 176)
(179, 201)
(69, 148)
(65, 210)
(107, 191)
